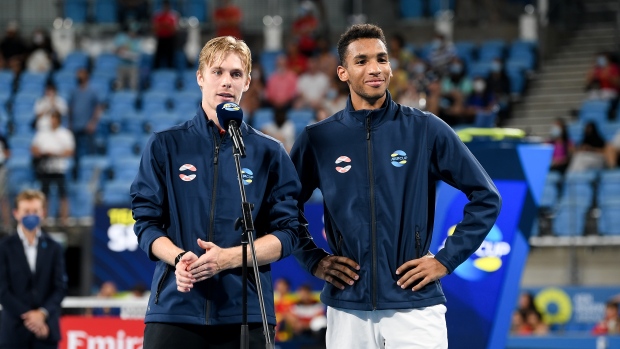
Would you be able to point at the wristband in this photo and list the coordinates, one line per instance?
(178, 258)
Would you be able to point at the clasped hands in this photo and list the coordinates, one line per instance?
(34, 320)
(192, 269)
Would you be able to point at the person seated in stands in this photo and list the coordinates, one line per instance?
(41, 57)
(499, 84)
(327, 60)
(442, 54)
(562, 146)
(127, 48)
(305, 311)
(281, 128)
(610, 324)
(535, 322)
(589, 154)
(305, 28)
(46, 105)
(455, 90)
(612, 151)
(283, 302)
(603, 80)
(519, 326)
(312, 86)
(480, 100)
(106, 291)
(13, 49)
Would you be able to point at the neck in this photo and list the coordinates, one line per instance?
(361, 103)
(29, 234)
(211, 115)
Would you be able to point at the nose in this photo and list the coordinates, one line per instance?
(374, 68)
(226, 81)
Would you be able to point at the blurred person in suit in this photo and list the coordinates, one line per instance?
(33, 278)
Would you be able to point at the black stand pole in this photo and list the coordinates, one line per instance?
(247, 224)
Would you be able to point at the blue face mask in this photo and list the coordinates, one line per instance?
(31, 221)
(601, 61)
(419, 68)
(436, 43)
(555, 132)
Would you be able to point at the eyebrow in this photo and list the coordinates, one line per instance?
(364, 56)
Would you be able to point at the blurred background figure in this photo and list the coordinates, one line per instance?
(132, 10)
(603, 80)
(127, 48)
(50, 102)
(42, 58)
(227, 18)
(610, 324)
(589, 154)
(106, 291)
(165, 26)
(13, 49)
(562, 146)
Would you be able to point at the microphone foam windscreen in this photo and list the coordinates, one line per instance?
(227, 112)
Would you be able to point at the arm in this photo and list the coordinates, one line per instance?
(10, 304)
(149, 203)
(282, 231)
(336, 270)
(453, 163)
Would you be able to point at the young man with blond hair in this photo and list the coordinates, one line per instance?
(185, 200)
(32, 279)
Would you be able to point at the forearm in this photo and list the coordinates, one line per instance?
(165, 250)
(268, 250)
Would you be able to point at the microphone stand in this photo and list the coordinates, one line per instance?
(246, 222)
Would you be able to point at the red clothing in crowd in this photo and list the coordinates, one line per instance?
(165, 24)
(607, 77)
(227, 21)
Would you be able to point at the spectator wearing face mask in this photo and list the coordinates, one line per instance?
(455, 90)
(562, 146)
(603, 80)
(42, 57)
(498, 83)
(589, 154)
(481, 98)
(442, 54)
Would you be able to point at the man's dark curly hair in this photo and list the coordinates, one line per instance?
(356, 32)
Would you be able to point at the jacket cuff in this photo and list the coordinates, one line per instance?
(147, 237)
(285, 241)
(441, 258)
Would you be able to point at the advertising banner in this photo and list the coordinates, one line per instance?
(80, 332)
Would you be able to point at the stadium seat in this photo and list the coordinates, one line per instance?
(106, 62)
(262, 117)
(570, 218)
(268, 62)
(164, 80)
(490, 50)
(153, 101)
(126, 98)
(196, 8)
(125, 167)
(77, 10)
(81, 200)
(411, 9)
(120, 145)
(160, 121)
(6, 77)
(20, 174)
(300, 118)
(575, 132)
(133, 123)
(116, 192)
(480, 69)
(74, 61)
(105, 11)
(485, 119)
(434, 6)
(91, 166)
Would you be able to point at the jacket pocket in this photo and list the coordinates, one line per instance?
(160, 284)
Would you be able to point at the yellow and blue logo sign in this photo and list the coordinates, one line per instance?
(487, 259)
(247, 176)
(231, 106)
(398, 158)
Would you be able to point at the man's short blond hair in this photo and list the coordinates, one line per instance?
(216, 49)
(30, 194)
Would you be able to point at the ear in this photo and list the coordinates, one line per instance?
(247, 84)
(199, 78)
(343, 75)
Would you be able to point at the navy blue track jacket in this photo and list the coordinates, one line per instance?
(377, 170)
(187, 188)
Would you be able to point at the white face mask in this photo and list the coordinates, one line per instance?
(555, 131)
(479, 85)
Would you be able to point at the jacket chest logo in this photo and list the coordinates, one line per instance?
(187, 167)
(247, 176)
(398, 158)
(343, 169)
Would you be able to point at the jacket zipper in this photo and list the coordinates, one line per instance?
(417, 242)
(373, 223)
(161, 283)
(218, 142)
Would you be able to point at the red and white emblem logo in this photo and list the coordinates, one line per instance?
(185, 177)
(344, 169)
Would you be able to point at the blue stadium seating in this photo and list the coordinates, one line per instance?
(300, 118)
(116, 192)
(490, 50)
(155, 101)
(268, 62)
(6, 77)
(105, 11)
(106, 62)
(164, 80)
(20, 174)
(160, 121)
(74, 61)
(81, 200)
(77, 10)
(125, 168)
(120, 145)
(133, 123)
(411, 9)
(262, 117)
(196, 8)
(434, 6)
(91, 166)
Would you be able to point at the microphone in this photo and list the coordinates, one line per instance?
(230, 116)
